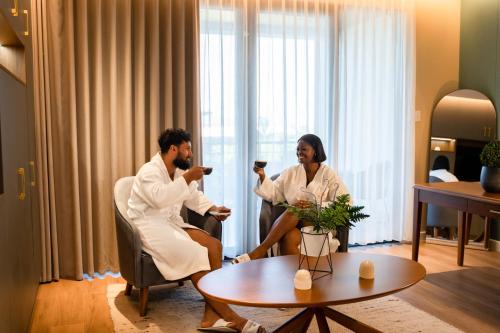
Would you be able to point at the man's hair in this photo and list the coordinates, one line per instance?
(172, 136)
(315, 142)
(441, 162)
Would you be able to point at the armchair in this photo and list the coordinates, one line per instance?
(136, 266)
(269, 213)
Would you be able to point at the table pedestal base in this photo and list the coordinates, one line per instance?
(300, 322)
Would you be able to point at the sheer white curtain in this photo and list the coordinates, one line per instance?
(271, 71)
(374, 136)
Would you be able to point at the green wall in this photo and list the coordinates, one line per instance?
(480, 55)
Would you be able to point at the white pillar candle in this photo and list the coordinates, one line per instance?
(366, 270)
(302, 279)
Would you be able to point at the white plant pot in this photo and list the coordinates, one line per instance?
(314, 244)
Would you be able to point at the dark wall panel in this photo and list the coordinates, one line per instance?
(480, 55)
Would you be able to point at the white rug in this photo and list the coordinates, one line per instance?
(179, 309)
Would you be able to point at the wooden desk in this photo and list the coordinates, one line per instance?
(269, 283)
(466, 197)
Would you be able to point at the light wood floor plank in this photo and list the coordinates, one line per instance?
(467, 297)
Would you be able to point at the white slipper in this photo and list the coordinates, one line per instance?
(253, 327)
(241, 259)
(219, 326)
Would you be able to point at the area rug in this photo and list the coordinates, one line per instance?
(179, 309)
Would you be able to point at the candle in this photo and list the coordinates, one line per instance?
(366, 270)
(302, 279)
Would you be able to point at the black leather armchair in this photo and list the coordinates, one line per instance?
(269, 213)
(136, 266)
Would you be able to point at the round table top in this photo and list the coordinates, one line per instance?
(269, 282)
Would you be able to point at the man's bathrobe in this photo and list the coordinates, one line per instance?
(154, 207)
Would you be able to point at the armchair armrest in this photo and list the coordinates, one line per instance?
(205, 222)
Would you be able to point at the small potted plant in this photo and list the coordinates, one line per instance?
(321, 221)
(490, 172)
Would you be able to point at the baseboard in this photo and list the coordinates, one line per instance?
(494, 245)
(448, 242)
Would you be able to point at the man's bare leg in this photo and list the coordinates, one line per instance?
(283, 224)
(213, 309)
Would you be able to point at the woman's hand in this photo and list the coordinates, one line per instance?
(302, 204)
(260, 172)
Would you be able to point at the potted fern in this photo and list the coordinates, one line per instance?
(321, 221)
(490, 172)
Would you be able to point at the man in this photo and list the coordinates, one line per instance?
(161, 187)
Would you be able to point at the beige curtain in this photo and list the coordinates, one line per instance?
(109, 76)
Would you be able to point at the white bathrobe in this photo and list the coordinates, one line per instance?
(154, 207)
(290, 186)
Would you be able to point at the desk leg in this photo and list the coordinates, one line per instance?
(417, 222)
(468, 222)
(487, 224)
(461, 238)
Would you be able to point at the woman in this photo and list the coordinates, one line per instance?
(300, 185)
(441, 169)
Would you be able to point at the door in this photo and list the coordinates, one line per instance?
(16, 232)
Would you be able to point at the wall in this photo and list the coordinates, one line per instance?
(437, 68)
(480, 56)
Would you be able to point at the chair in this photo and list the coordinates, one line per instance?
(269, 213)
(438, 216)
(136, 266)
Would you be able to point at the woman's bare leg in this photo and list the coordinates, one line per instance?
(289, 244)
(213, 309)
(283, 224)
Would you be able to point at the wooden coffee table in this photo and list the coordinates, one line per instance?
(268, 283)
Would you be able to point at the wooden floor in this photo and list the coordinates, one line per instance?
(467, 297)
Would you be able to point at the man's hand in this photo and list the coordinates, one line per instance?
(194, 173)
(226, 212)
(260, 172)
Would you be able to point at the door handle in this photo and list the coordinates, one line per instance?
(21, 184)
(27, 31)
(15, 11)
(32, 174)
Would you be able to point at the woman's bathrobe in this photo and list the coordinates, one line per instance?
(291, 187)
(154, 207)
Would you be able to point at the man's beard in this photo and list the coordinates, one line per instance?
(182, 164)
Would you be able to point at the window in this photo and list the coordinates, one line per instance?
(270, 75)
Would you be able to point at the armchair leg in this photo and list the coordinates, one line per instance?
(143, 301)
(128, 289)
(180, 283)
